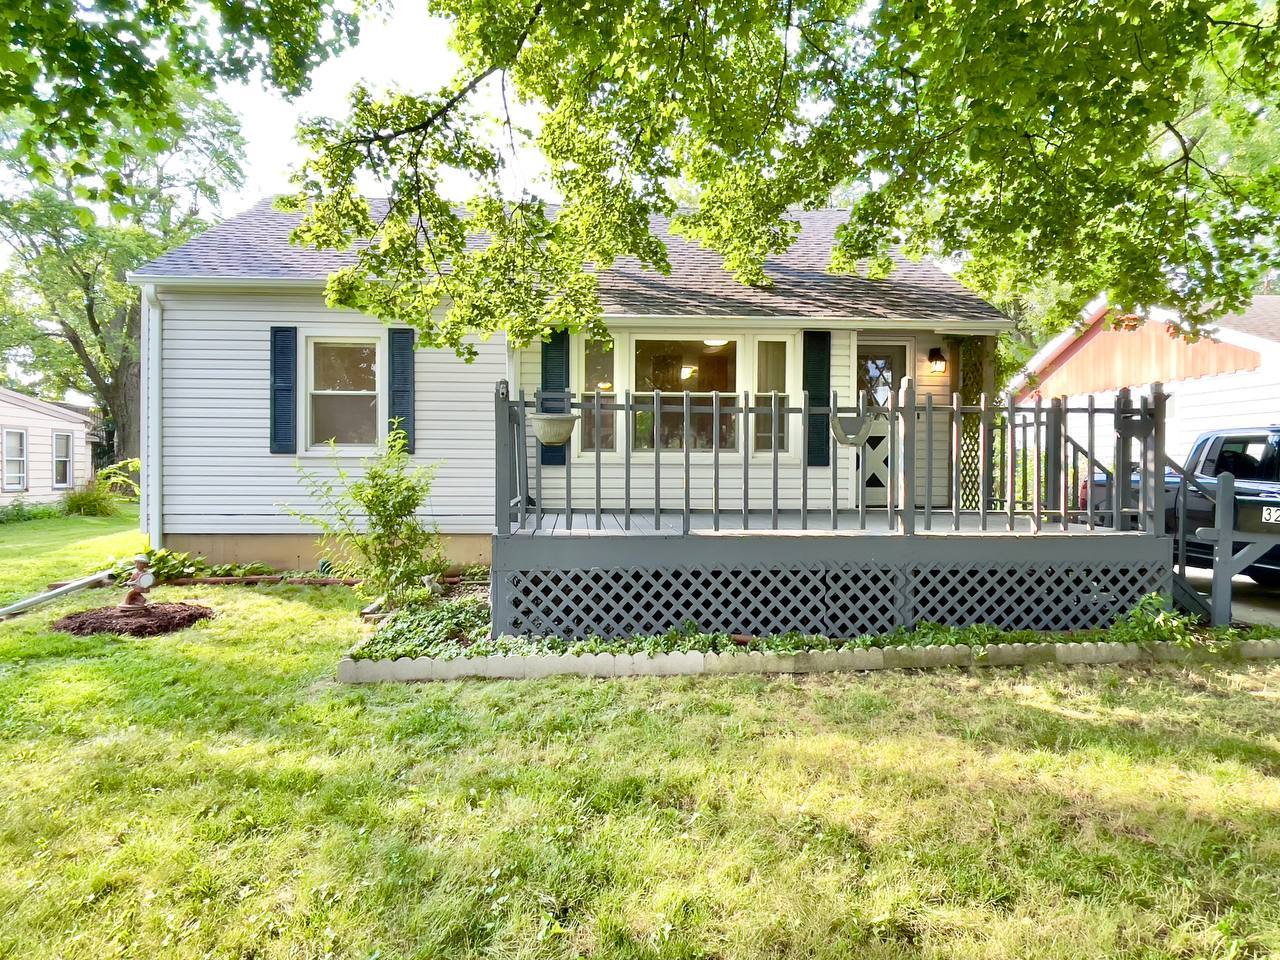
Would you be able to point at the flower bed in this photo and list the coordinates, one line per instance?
(450, 639)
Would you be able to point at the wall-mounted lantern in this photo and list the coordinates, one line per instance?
(937, 360)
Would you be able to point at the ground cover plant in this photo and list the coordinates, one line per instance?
(215, 793)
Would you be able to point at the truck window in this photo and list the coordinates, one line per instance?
(1248, 458)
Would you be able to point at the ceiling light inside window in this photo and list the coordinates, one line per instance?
(715, 342)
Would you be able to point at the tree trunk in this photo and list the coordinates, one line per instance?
(124, 406)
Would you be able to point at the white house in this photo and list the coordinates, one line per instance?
(248, 374)
(45, 447)
(1229, 378)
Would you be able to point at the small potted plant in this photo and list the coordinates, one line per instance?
(553, 429)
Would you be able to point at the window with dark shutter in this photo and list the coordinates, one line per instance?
(816, 369)
(284, 390)
(555, 377)
(400, 382)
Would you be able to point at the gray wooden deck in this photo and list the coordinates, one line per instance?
(614, 523)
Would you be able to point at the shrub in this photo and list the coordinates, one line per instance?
(20, 510)
(120, 478)
(94, 499)
(369, 523)
(1151, 621)
(169, 565)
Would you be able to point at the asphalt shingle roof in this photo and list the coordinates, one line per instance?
(255, 246)
(1261, 318)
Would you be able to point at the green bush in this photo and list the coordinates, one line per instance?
(20, 510)
(94, 499)
(1151, 621)
(369, 523)
(120, 478)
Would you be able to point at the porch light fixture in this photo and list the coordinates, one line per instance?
(937, 360)
(714, 342)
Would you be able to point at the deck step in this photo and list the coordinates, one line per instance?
(1190, 600)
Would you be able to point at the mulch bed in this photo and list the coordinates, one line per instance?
(149, 621)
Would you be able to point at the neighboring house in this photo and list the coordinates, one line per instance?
(1229, 378)
(45, 449)
(248, 374)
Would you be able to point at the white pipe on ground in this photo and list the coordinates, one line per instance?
(72, 587)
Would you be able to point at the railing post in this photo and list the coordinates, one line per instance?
(1224, 516)
(502, 462)
(1124, 463)
(908, 456)
(1153, 466)
(1054, 465)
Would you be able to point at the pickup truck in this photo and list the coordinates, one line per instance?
(1252, 456)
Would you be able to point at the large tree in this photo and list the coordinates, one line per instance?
(1083, 147)
(68, 317)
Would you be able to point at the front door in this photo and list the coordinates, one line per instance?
(881, 367)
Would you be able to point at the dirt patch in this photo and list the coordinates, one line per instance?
(149, 621)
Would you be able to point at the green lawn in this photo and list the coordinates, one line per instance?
(216, 794)
(35, 553)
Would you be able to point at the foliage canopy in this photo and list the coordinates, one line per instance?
(1115, 146)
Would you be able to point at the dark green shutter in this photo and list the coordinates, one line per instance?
(400, 384)
(555, 376)
(816, 367)
(284, 389)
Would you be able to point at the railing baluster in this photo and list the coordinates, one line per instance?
(804, 460)
(1088, 466)
(688, 442)
(743, 437)
(537, 469)
(568, 468)
(908, 456)
(1036, 504)
(984, 461)
(774, 437)
(628, 413)
(715, 460)
(599, 431)
(1063, 481)
(657, 461)
(891, 488)
(957, 427)
(928, 461)
(861, 454)
(1011, 445)
(833, 400)
(522, 454)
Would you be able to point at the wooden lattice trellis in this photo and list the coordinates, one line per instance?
(835, 599)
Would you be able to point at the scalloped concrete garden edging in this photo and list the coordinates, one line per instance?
(810, 661)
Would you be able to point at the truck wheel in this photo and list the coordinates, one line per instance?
(1265, 578)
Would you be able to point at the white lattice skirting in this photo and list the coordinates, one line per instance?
(830, 585)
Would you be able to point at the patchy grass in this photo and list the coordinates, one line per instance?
(35, 553)
(215, 793)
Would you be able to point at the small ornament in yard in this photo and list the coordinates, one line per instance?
(139, 583)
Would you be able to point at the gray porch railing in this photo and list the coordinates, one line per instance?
(744, 463)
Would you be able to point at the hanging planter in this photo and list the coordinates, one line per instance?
(553, 429)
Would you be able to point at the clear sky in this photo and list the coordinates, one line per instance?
(408, 50)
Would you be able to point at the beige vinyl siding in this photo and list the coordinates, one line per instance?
(219, 476)
(40, 427)
(843, 346)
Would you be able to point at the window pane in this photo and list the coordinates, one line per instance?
(344, 419)
(771, 375)
(15, 445)
(62, 445)
(61, 472)
(345, 366)
(599, 376)
(674, 366)
(678, 365)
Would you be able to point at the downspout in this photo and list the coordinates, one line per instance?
(152, 317)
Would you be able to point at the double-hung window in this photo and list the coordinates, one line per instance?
(63, 470)
(15, 460)
(342, 392)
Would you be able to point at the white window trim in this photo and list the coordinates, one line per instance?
(70, 458)
(745, 374)
(4, 461)
(307, 349)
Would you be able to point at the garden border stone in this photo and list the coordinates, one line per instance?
(693, 663)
